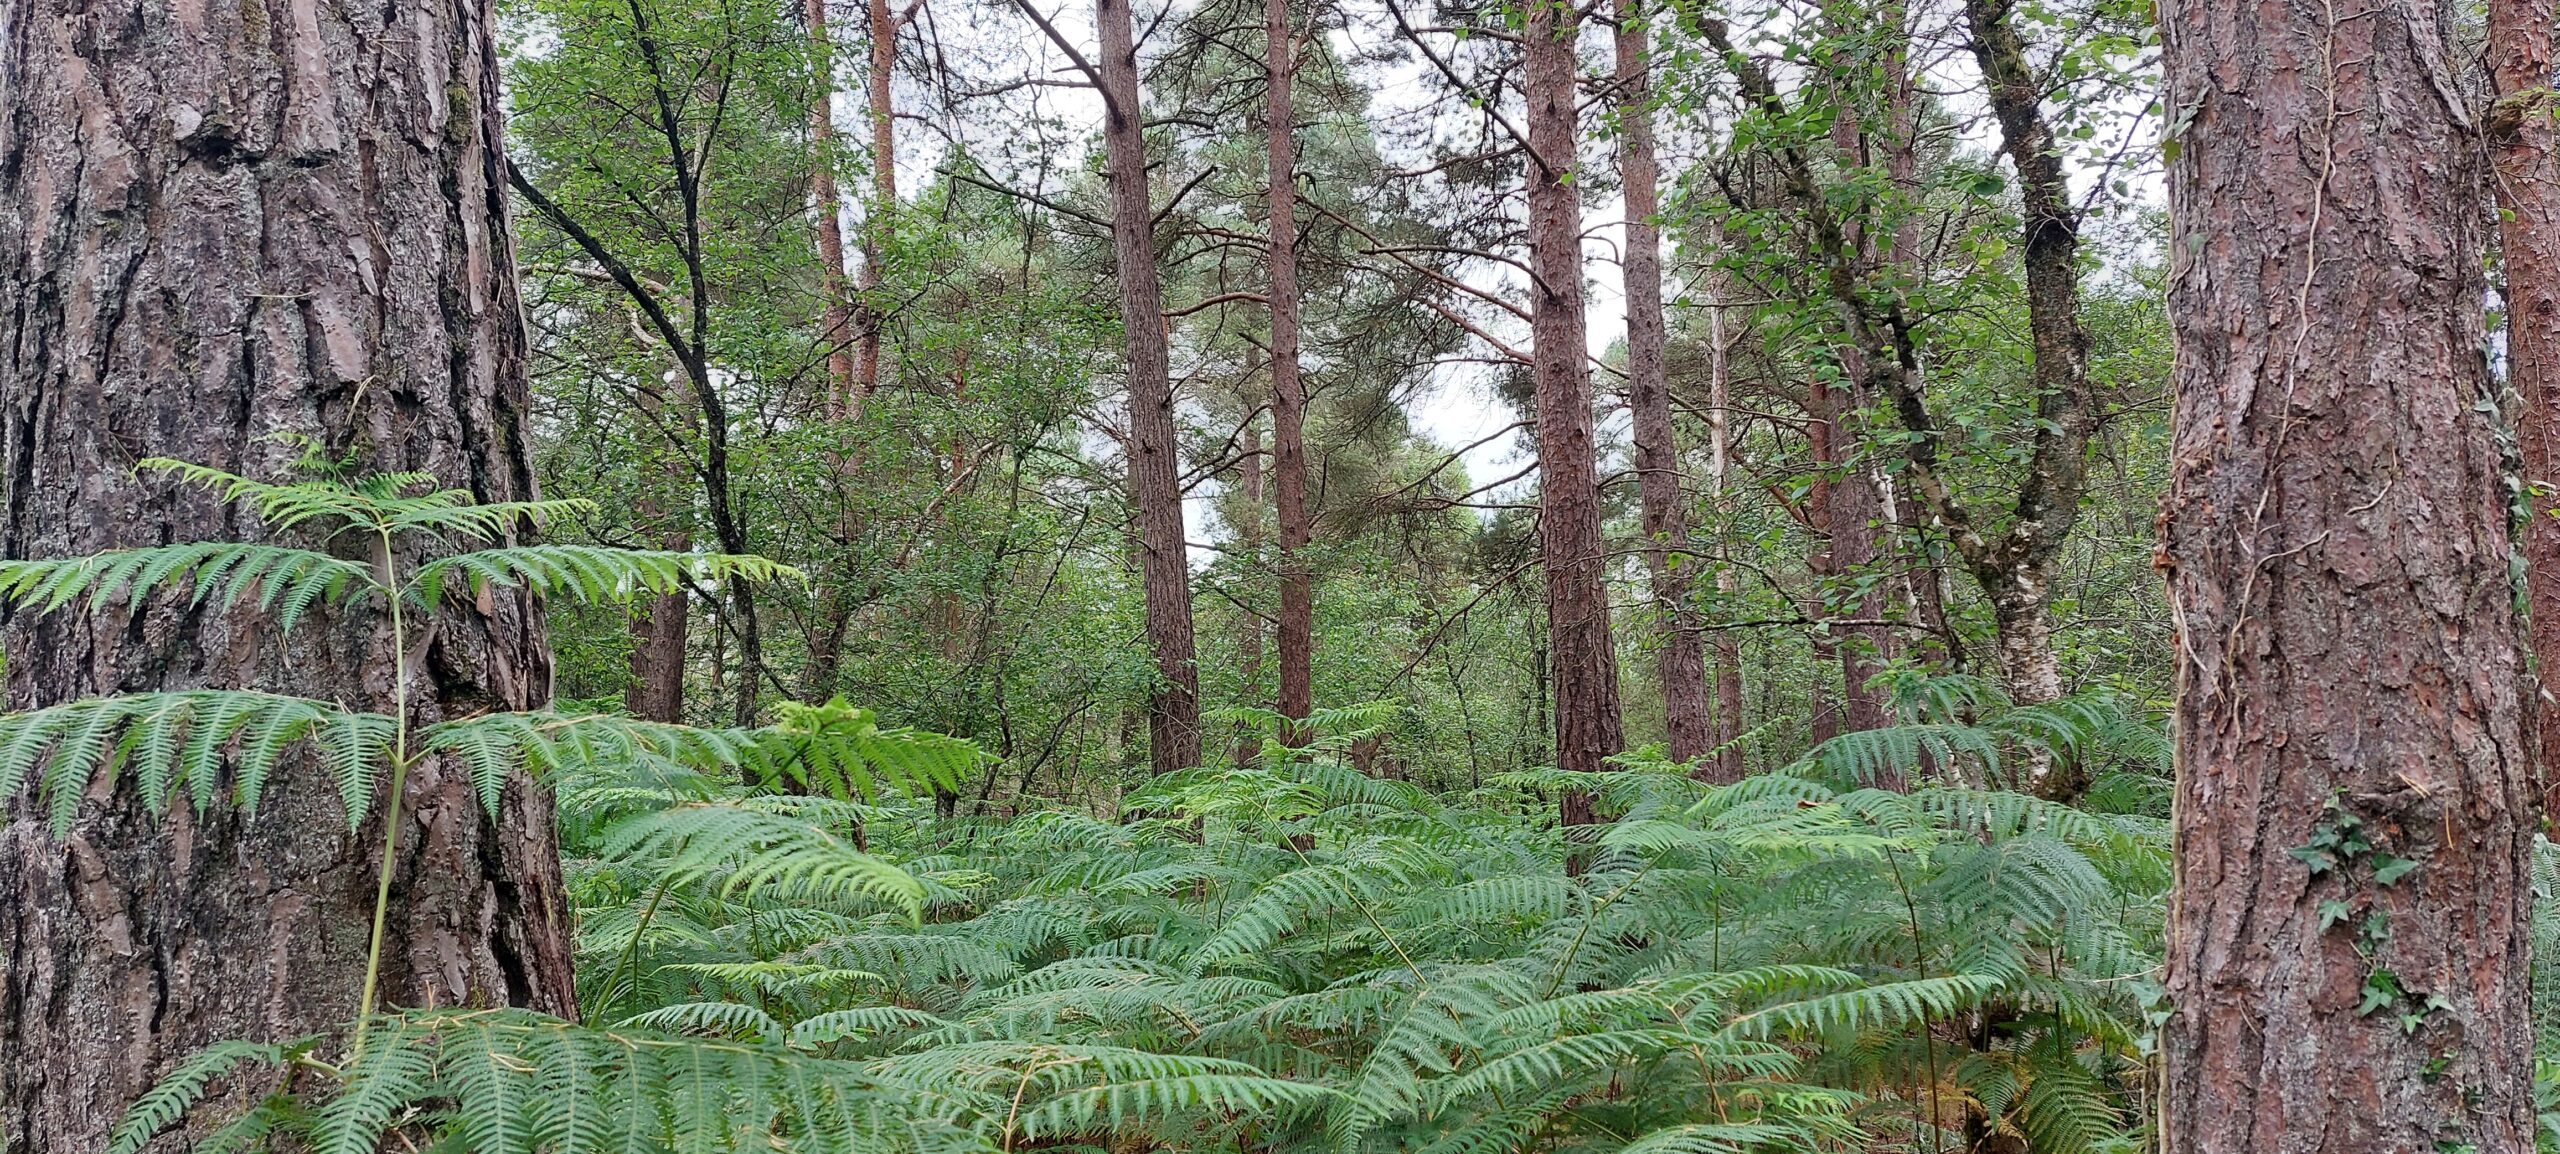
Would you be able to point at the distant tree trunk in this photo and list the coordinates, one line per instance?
(1851, 505)
(659, 624)
(1575, 560)
(836, 316)
(1249, 539)
(1173, 712)
(2525, 154)
(877, 224)
(1288, 394)
(2336, 543)
(1823, 712)
(1680, 664)
(2016, 573)
(215, 230)
(657, 652)
(1727, 764)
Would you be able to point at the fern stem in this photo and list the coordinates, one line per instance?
(399, 784)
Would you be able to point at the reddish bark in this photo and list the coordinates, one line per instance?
(216, 228)
(2336, 543)
(1680, 663)
(2525, 159)
(884, 182)
(1173, 711)
(1288, 393)
(1585, 662)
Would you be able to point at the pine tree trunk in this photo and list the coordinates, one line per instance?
(1822, 711)
(1288, 394)
(659, 624)
(1570, 548)
(1680, 663)
(1173, 712)
(884, 183)
(2525, 154)
(2337, 546)
(1249, 541)
(1727, 766)
(218, 224)
(826, 204)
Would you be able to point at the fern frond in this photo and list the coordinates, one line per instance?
(586, 573)
(228, 573)
(456, 512)
(284, 505)
(750, 852)
(180, 1089)
(181, 740)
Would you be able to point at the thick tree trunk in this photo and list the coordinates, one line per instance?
(1288, 393)
(2525, 159)
(1173, 713)
(2336, 542)
(219, 224)
(1680, 663)
(1586, 669)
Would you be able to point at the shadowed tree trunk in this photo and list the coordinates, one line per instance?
(216, 228)
(1249, 540)
(1680, 664)
(1726, 767)
(1570, 549)
(1288, 394)
(2525, 159)
(1173, 712)
(659, 624)
(1851, 505)
(2336, 542)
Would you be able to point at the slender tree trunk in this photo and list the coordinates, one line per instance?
(1680, 664)
(1288, 393)
(1851, 506)
(836, 318)
(1586, 667)
(216, 229)
(657, 652)
(1173, 712)
(659, 624)
(2048, 503)
(1249, 537)
(2336, 544)
(1726, 767)
(1823, 712)
(884, 182)
(2525, 158)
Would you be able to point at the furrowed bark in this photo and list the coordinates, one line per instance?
(1173, 711)
(1680, 664)
(2525, 166)
(221, 223)
(1288, 392)
(2336, 543)
(1585, 662)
